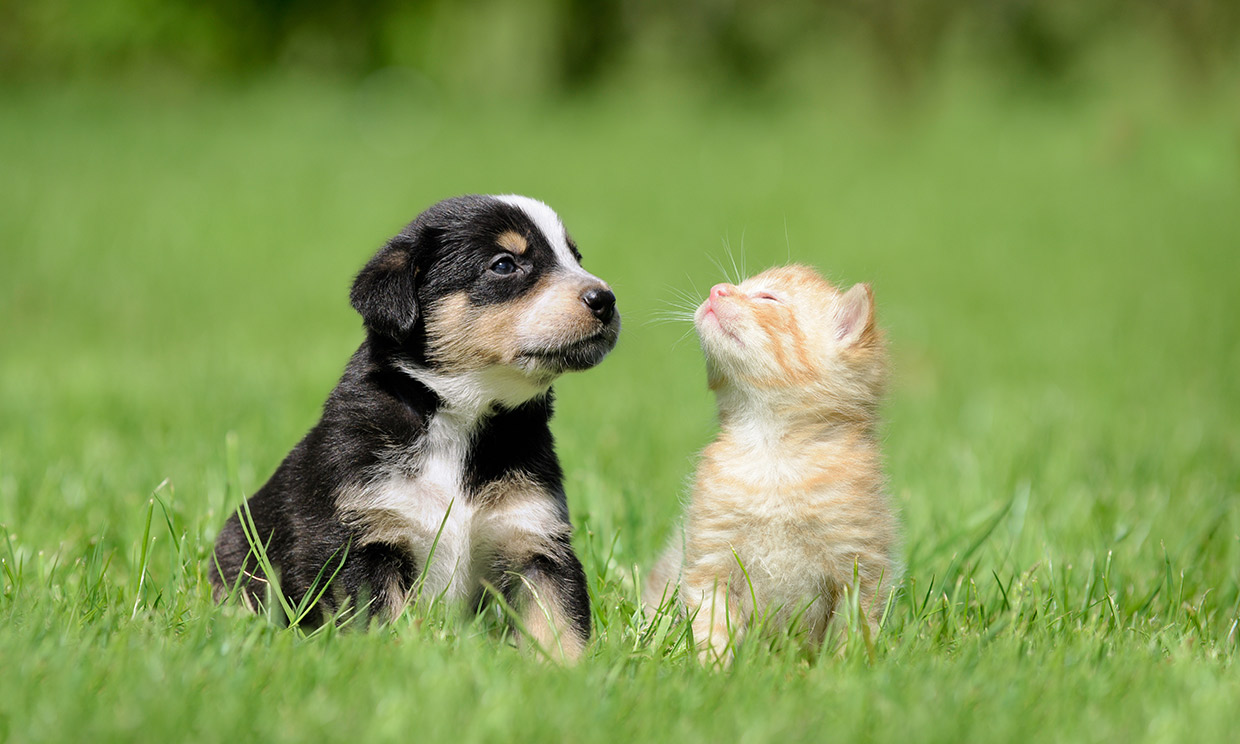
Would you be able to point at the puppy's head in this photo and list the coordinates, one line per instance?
(485, 282)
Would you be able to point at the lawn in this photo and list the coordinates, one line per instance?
(1058, 273)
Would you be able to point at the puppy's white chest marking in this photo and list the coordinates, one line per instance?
(438, 512)
(453, 534)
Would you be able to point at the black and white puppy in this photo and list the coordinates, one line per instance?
(433, 465)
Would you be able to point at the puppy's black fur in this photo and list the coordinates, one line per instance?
(440, 425)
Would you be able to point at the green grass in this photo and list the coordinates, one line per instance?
(1058, 275)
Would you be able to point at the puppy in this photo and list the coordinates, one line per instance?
(433, 467)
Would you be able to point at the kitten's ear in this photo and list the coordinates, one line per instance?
(385, 290)
(854, 314)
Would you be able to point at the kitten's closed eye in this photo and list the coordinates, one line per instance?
(766, 296)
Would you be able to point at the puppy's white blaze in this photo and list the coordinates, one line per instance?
(549, 224)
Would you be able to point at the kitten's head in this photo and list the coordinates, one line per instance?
(789, 336)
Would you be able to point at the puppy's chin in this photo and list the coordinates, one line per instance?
(574, 356)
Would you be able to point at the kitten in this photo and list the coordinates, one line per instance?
(792, 489)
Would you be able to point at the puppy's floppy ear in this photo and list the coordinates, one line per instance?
(385, 290)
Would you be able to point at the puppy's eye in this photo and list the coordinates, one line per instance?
(503, 265)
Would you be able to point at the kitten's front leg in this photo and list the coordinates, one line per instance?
(550, 597)
(718, 623)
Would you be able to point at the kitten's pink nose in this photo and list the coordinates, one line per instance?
(721, 290)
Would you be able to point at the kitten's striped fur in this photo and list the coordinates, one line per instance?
(792, 488)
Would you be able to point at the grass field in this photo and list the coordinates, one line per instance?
(1059, 274)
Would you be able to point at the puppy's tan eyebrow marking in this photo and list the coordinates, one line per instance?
(513, 242)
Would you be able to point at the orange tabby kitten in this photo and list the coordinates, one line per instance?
(792, 489)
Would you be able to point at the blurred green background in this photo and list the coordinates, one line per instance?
(567, 46)
(1045, 196)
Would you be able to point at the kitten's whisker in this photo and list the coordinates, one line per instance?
(732, 258)
(682, 337)
(727, 250)
(673, 309)
(719, 265)
(684, 293)
(677, 312)
(685, 301)
(743, 273)
(673, 315)
(787, 242)
(696, 291)
(679, 307)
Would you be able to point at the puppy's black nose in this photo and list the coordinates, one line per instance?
(601, 302)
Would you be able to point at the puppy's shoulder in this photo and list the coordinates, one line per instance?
(375, 398)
